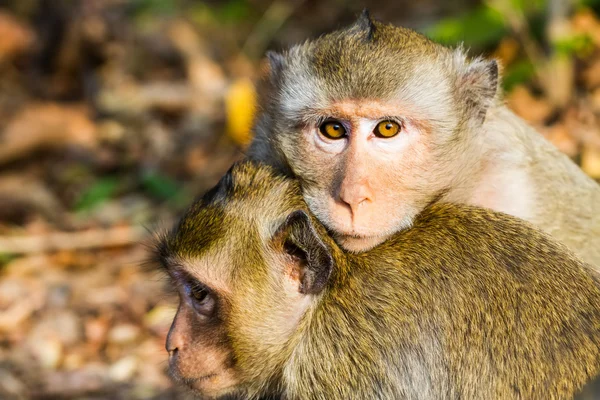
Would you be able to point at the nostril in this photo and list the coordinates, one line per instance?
(170, 346)
(173, 352)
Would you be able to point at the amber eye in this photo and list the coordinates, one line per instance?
(332, 129)
(202, 299)
(199, 294)
(387, 129)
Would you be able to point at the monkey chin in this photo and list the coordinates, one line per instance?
(357, 244)
(212, 387)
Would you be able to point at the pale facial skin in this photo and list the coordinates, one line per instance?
(362, 172)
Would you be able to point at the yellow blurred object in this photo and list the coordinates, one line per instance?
(590, 161)
(15, 37)
(240, 105)
(507, 51)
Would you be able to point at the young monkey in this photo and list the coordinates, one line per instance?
(378, 122)
(466, 304)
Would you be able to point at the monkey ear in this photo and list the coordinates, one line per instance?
(314, 262)
(479, 84)
(276, 63)
(364, 25)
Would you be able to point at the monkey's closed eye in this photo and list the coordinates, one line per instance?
(387, 129)
(332, 129)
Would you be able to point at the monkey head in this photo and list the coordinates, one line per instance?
(375, 121)
(247, 262)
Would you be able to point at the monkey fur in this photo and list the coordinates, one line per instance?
(459, 143)
(468, 303)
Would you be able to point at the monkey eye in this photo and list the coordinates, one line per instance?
(387, 129)
(202, 300)
(332, 129)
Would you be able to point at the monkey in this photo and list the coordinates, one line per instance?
(456, 306)
(378, 122)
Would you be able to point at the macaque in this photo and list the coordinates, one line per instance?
(378, 122)
(467, 303)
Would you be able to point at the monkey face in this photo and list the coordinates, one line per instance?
(246, 261)
(373, 179)
(200, 355)
(377, 122)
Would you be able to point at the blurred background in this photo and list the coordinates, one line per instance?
(115, 114)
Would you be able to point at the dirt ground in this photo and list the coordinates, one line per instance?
(115, 114)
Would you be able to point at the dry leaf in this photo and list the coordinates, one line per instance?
(586, 22)
(240, 105)
(590, 161)
(507, 51)
(42, 126)
(591, 75)
(595, 99)
(560, 137)
(15, 37)
(532, 109)
(203, 72)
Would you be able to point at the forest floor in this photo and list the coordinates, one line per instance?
(109, 126)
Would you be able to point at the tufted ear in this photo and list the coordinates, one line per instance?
(312, 260)
(364, 25)
(478, 85)
(276, 64)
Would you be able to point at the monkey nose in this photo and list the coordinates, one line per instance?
(174, 342)
(170, 348)
(355, 196)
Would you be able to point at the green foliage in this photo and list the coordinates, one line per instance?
(234, 11)
(579, 45)
(155, 7)
(593, 4)
(518, 72)
(526, 6)
(97, 193)
(481, 27)
(5, 258)
(227, 12)
(160, 186)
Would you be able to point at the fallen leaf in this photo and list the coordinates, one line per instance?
(46, 126)
(590, 161)
(507, 51)
(240, 105)
(15, 37)
(585, 22)
(560, 137)
(124, 369)
(591, 74)
(530, 108)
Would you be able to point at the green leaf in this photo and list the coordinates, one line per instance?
(97, 193)
(5, 258)
(160, 186)
(518, 72)
(234, 11)
(155, 7)
(580, 45)
(479, 28)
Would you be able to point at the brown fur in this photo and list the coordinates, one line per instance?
(468, 303)
(459, 142)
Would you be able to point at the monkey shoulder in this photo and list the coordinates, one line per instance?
(460, 246)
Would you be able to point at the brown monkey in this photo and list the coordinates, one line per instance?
(456, 307)
(378, 122)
